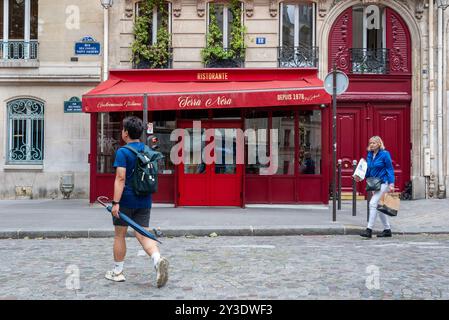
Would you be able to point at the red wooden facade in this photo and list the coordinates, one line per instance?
(295, 93)
(374, 104)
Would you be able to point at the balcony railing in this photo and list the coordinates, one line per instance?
(19, 50)
(226, 63)
(147, 64)
(372, 61)
(298, 57)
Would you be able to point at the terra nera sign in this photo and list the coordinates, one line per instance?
(87, 46)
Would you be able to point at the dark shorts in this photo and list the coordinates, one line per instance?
(141, 216)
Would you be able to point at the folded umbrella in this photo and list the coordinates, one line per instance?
(128, 220)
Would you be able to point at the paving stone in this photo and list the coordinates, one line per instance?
(314, 267)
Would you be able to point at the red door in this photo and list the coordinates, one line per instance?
(349, 125)
(391, 123)
(214, 182)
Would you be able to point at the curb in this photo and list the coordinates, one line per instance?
(207, 231)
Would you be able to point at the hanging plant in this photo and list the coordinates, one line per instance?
(159, 54)
(214, 50)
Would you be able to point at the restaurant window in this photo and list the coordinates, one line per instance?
(284, 123)
(18, 29)
(26, 131)
(297, 35)
(109, 136)
(310, 142)
(164, 122)
(256, 122)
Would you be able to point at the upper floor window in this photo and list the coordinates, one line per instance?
(297, 35)
(152, 44)
(369, 53)
(159, 17)
(225, 35)
(26, 131)
(18, 29)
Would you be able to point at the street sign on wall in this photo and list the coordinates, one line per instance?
(74, 105)
(87, 46)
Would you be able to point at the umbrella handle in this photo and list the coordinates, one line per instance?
(102, 199)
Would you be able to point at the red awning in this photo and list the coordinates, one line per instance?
(205, 88)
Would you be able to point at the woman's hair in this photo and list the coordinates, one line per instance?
(379, 142)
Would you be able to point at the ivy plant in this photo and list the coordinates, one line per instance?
(214, 50)
(159, 54)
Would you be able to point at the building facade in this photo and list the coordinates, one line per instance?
(394, 53)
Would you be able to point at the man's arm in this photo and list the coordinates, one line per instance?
(119, 185)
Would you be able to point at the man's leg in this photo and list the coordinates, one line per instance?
(160, 264)
(120, 243)
(119, 250)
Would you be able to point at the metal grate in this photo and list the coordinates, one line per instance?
(19, 50)
(298, 57)
(26, 131)
(372, 61)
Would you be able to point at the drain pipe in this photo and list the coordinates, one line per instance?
(441, 182)
(431, 190)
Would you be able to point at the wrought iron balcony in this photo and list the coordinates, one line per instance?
(371, 61)
(225, 63)
(148, 64)
(298, 57)
(19, 50)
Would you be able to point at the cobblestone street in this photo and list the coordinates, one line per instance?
(314, 267)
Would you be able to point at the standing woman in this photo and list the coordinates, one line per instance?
(380, 172)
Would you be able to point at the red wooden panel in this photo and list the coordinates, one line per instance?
(226, 190)
(283, 189)
(340, 40)
(309, 189)
(104, 185)
(256, 189)
(165, 192)
(398, 41)
(348, 141)
(392, 125)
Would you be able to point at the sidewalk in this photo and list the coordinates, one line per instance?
(77, 219)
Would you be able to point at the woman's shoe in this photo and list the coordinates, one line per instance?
(368, 233)
(385, 234)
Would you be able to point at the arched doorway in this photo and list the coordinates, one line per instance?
(371, 43)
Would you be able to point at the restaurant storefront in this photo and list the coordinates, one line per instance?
(256, 113)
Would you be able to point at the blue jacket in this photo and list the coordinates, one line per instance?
(381, 167)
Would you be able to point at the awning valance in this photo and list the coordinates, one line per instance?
(205, 88)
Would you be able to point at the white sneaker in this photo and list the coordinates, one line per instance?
(117, 277)
(161, 272)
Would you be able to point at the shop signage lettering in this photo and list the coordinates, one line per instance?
(125, 104)
(297, 97)
(188, 101)
(212, 76)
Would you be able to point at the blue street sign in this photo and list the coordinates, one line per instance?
(261, 40)
(87, 46)
(74, 105)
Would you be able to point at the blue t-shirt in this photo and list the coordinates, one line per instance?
(381, 167)
(127, 159)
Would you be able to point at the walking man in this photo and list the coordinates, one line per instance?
(136, 207)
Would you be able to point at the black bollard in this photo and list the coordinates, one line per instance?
(354, 190)
(339, 184)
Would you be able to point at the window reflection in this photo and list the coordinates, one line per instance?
(109, 134)
(310, 142)
(284, 123)
(256, 121)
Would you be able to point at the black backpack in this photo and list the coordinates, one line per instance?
(144, 176)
